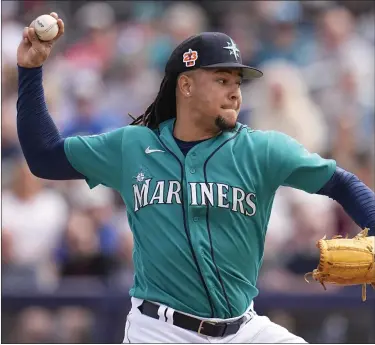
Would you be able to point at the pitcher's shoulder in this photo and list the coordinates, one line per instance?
(249, 133)
(137, 132)
(263, 140)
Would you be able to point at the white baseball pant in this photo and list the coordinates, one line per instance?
(140, 328)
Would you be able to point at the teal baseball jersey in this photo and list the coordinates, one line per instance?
(199, 222)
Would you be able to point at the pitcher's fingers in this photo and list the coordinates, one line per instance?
(61, 25)
(32, 35)
(25, 35)
(25, 32)
(54, 15)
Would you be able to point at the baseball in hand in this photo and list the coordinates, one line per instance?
(46, 27)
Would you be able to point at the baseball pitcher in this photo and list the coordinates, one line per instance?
(198, 187)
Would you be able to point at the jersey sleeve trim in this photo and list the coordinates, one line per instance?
(331, 170)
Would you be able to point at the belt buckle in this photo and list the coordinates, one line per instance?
(201, 325)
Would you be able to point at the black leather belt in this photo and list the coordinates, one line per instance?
(208, 328)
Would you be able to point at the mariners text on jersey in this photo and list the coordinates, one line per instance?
(168, 192)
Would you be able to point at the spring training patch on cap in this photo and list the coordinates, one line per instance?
(190, 57)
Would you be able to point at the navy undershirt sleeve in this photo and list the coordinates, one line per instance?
(41, 142)
(354, 196)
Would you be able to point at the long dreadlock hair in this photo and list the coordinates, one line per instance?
(164, 106)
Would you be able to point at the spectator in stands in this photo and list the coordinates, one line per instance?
(287, 261)
(95, 50)
(99, 205)
(282, 37)
(80, 253)
(87, 118)
(336, 45)
(34, 326)
(10, 147)
(281, 102)
(6, 247)
(345, 112)
(35, 218)
(74, 325)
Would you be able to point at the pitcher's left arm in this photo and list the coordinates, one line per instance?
(354, 196)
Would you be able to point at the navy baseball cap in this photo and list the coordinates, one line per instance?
(208, 50)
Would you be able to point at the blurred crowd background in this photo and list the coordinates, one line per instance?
(61, 239)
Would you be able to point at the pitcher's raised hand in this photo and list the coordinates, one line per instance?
(31, 51)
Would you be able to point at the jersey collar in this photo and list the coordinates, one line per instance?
(205, 148)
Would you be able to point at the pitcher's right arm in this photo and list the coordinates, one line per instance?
(50, 156)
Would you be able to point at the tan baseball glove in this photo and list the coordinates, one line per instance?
(345, 261)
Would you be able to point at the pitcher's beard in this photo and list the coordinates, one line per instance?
(223, 124)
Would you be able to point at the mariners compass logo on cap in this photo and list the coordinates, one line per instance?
(232, 47)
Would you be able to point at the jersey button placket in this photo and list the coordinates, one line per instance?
(192, 158)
